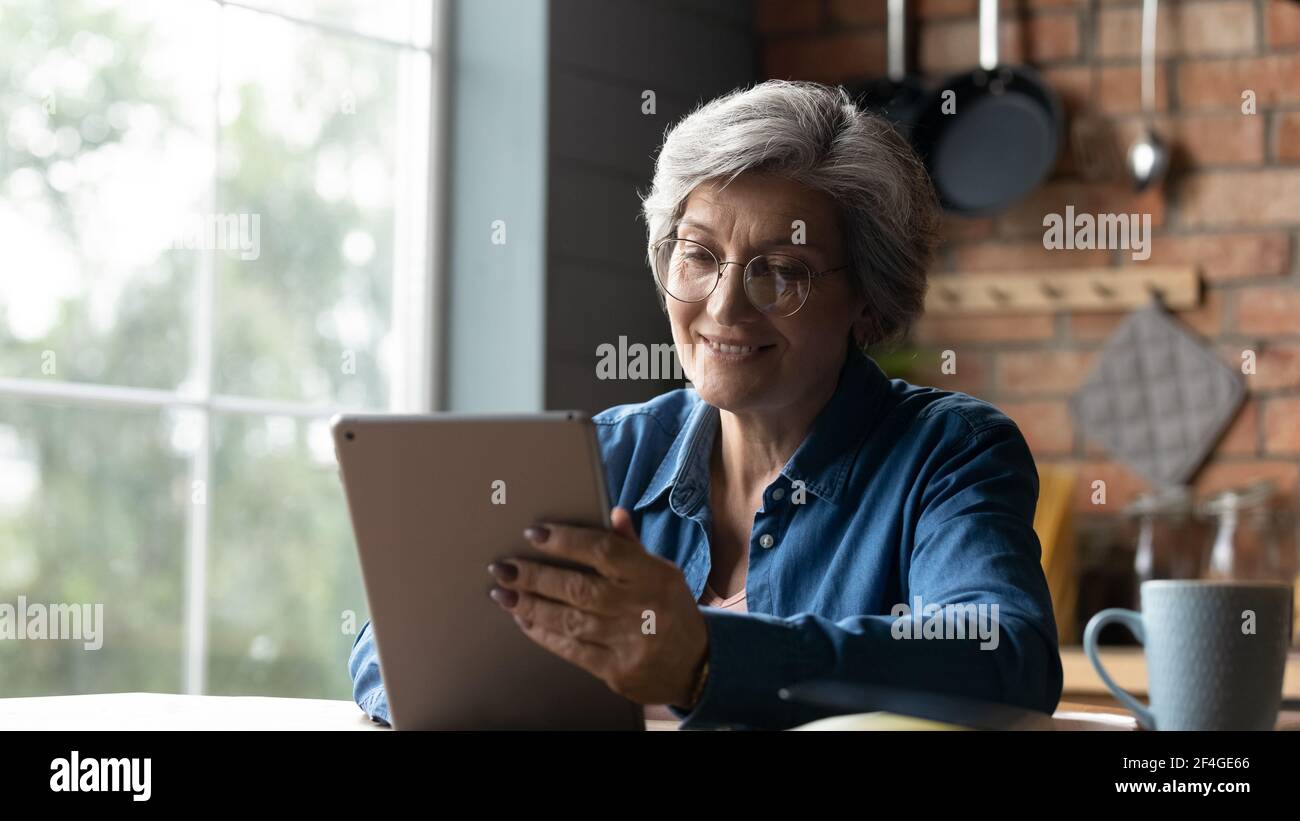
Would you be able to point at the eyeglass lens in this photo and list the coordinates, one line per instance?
(775, 283)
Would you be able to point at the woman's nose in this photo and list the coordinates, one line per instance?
(728, 304)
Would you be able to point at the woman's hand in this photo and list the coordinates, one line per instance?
(632, 623)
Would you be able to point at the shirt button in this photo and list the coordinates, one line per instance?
(778, 494)
(766, 541)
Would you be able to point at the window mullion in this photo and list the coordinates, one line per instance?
(198, 520)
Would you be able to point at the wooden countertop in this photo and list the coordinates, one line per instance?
(1128, 667)
(161, 711)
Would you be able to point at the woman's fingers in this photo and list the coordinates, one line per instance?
(581, 589)
(620, 520)
(561, 619)
(594, 658)
(608, 553)
(595, 620)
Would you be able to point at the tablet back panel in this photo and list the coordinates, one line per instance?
(425, 497)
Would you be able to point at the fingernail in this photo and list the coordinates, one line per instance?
(506, 598)
(504, 571)
(537, 533)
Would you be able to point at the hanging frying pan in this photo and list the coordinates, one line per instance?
(996, 137)
(899, 95)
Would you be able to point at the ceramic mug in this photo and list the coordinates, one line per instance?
(1215, 653)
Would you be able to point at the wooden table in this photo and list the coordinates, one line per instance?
(1128, 666)
(159, 711)
(1086, 704)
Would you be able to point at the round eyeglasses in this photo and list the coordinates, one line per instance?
(776, 284)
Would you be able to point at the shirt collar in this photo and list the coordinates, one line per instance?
(821, 462)
(685, 468)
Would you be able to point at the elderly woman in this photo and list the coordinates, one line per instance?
(797, 515)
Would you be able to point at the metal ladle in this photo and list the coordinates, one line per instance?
(1148, 158)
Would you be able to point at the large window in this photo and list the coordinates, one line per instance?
(214, 234)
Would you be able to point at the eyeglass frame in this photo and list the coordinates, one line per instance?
(812, 275)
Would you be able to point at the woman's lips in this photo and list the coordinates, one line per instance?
(732, 352)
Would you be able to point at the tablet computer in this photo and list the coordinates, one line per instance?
(434, 499)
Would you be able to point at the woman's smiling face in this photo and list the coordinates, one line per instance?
(738, 358)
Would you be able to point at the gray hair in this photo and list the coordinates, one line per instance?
(815, 135)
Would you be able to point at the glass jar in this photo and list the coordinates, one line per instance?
(1250, 539)
(1168, 535)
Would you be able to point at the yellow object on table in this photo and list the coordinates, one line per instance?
(858, 722)
(1054, 524)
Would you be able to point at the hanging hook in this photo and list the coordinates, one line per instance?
(1157, 294)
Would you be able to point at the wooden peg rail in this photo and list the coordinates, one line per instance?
(1080, 289)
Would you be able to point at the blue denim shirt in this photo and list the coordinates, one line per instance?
(897, 492)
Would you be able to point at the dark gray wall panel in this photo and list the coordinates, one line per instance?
(598, 304)
(597, 216)
(664, 46)
(604, 53)
(601, 122)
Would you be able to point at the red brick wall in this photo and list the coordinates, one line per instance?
(1231, 206)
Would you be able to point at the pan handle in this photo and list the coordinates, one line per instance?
(1149, 12)
(988, 34)
(895, 45)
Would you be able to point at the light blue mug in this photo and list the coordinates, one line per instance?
(1215, 652)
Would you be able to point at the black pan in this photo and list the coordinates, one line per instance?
(898, 96)
(1003, 137)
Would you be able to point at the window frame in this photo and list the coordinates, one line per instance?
(416, 320)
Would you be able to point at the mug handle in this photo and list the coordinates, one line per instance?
(1133, 621)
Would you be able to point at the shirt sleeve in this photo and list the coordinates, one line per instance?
(367, 686)
(973, 543)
